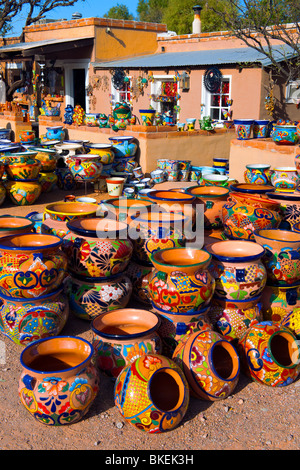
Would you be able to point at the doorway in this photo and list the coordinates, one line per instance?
(79, 88)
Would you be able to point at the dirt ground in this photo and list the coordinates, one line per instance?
(255, 417)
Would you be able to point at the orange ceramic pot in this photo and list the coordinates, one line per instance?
(152, 394)
(23, 171)
(212, 199)
(59, 381)
(123, 208)
(181, 282)
(137, 272)
(174, 201)
(280, 301)
(120, 336)
(210, 363)
(13, 225)
(65, 211)
(282, 255)
(31, 265)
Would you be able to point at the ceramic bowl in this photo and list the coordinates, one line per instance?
(64, 211)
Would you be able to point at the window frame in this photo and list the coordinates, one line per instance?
(206, 99)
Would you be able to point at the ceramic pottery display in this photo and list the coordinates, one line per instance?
(270, 354)
(120, 336)
(285, 179)
(174, 201)
(290, 208)
(124, 146)
(86, 167)
(181, 281)
(59, 381)
(104, 152)
(55, 133)
(292, 321)
(126, 164)
(152, 394)
(279, 301)
(213, 199)
(261, 129)
(123, 208)
(89, 298)
(282, 255)
(237, 268)
(153, 231)
(47, 181)
(65, 211)
(243, 128)
(210, 364)
(253, 189)
(285, 134)
(136, 273)
(65, 179)
(47, 158)
(23, 192)
(27, 136)
(97, 247)
(233, 318)
(257, 173)
(31, 265)
(27, 320)
(147, 116)
(15, 225)
(243, 214)
(23, 171)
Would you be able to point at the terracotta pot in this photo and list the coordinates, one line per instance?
(23, 171)
(289, 207)
(120, 336)
(279, 301)
(213, 199)
(89, 298)
(85, 167)
(123, 208)
(23, 192)
(282, 255)
(47, 157)
(31, 265)
(237, 268)
(270, 354)
(15, 225)
(65, 211)
(97, 247)
(174, 201)
(152, 394)
(27, 320)
(233, 318)
(136, 273)
(210, 364)
(59, 381)
(181, 282)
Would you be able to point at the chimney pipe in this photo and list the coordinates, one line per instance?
(197, 21)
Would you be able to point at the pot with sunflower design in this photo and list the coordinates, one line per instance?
(59, 379)
(122, 335)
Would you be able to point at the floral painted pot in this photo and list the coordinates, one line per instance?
(105, 152)
(285, 179)
(279, 301)
(124, 146)
(65, 179)
(292, 321)
(31, 265)
(85, 167)
(233, 318)
(172, 165)
(65, 211)
(27, 136)
(23, 171)
(48, 181)
(23, 192)
(59, 380)
(124, 164)
(212, 198)
(261, 128)
(152, 394)
(215, 180)
(19, 157)
(285, 134)
(47, 157)
(237, 268)
(181, 281)
(91, 119)
(282, 255)
(97, 247)
(257, 173)
(290, 208)
(89, 298)
(120, 336)
(136, 273)
(210, 364)
(147, 116)
(270, 354)
(55, 133)
(15, 225)
(161, 163)
(243, 128)
(27, 320)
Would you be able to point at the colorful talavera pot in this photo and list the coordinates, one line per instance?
(48, 181)
(65, 179)
(181, 281)
(26, 136)
(237, 268)
(174, 201)
(152, 394)
(290, 208)
(120, 336)
(257, 173)
(147, 116)
(270, 354)
(31, 265)
(15, 225)
(285, 179)
(19, 157)
(282, 255)
(59, 380)
(23, 171)
(65, 211)
(27, 320)
(292, 321)
(55, 133)
(243, 128)
(124, 146)
(136, 273)
(23, 192)
(285, 134)
(210, 363)
(97, 247)
(89, 298)
(85, 167)
(123, 208)
(261, 128)
(104, 151)
(212, 198)
(47, 157)
(279, 301)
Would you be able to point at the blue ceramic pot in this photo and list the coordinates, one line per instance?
(243, 128)
(123, 146)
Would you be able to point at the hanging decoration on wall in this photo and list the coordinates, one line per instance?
(118, 76)
(212, 79)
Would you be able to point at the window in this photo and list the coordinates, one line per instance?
(123, 94)
(293, 92)
(164, 95)
(214, 104)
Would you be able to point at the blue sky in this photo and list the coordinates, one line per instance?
(87, 8)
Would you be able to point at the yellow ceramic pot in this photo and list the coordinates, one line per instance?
(104, 151)
(47, 157)
(23, 193)
(20, 171)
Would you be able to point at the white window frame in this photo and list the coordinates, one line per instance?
(115, 94)
(156, 84)
(206, 98)
(291, 89)
(68, 67)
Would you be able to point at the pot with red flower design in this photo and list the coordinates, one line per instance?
(270, 354)
(97, 247)
(59, 380)
(181, 282)
(120, 336)
(85, 167)
(210, 363)
(152, 394)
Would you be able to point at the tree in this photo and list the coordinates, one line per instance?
(151, 10)
(119, 12)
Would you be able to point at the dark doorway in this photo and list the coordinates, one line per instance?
(79, 87)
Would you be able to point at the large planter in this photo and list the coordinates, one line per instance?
(59, 381)
(23, 192)
(181, 282)
(97, 248)
(85, 167)
(279, 301)
(152, 394)
(285, 179)
(120, 336)
(124, 146)
(237, 268)
(210, 363)
(284, 134)
(89, 298)
(23, 171)
(66, 211)
(27, 320)
(270, 354)
(104, 152)
(31, 265)
(282, 255)
(212, 198)
(15, 225)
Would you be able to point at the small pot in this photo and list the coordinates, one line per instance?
(115, 186)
